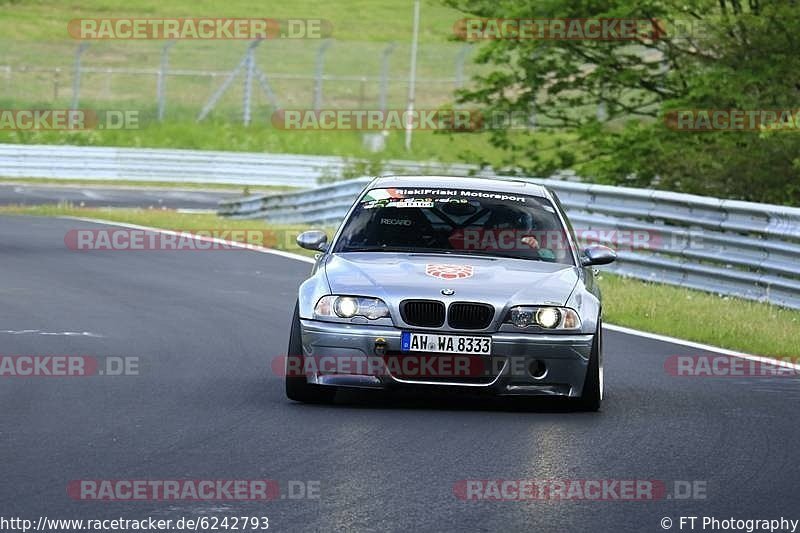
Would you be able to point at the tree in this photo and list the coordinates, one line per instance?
(704, 56)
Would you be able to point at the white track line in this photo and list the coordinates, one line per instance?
(704, 347)
(610, 327)
(203, 238)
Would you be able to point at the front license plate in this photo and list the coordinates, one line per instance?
(429, 342)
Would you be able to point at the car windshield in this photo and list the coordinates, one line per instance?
(456, 221)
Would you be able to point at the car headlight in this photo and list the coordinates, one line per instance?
(544, 317)
(334, 306)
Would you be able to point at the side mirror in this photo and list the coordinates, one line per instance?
(314, 239)
(597, 254)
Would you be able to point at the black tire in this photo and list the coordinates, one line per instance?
(297, 388)
(592, 394)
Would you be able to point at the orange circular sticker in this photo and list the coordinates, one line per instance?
(449, 271)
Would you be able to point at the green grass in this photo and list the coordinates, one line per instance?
(34, 35)
(46, 20)
(220, 135)
(731, 323)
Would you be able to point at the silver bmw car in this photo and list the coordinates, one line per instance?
(450, 283)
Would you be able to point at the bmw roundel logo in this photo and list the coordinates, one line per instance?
(448, 292)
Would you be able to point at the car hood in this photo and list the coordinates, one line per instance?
(395, 276)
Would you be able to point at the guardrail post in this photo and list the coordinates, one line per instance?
(161, 84)
(318, 68)
(76, 77)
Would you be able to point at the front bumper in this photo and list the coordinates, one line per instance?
(564, 358)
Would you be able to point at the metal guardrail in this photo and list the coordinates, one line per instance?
(325, 205)
(238, 168)
(727, 247)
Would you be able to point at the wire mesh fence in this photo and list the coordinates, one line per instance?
(179, 80)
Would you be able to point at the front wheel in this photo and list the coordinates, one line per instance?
(297, 387)
(592, 394)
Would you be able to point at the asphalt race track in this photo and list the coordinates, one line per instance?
(206, 405)
(87, 196)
